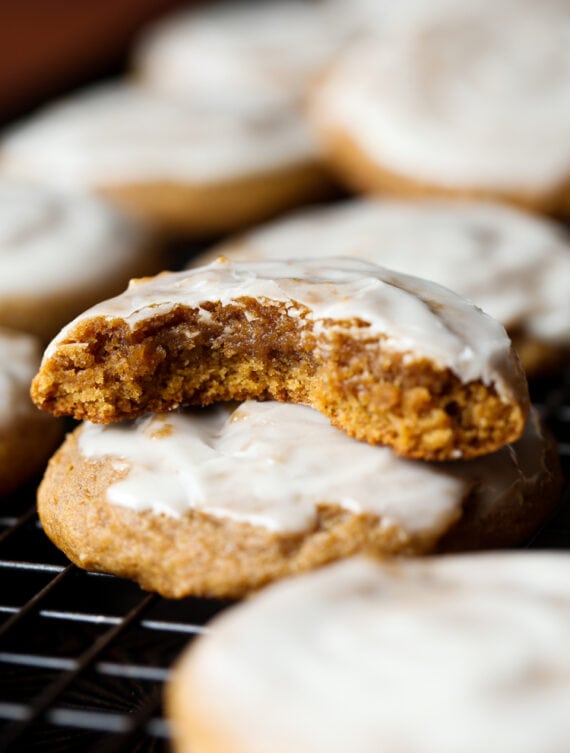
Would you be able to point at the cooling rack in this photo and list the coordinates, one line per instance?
(84, 656)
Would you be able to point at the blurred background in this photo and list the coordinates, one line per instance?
(50, 46)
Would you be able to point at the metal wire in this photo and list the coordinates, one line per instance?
(84, 657)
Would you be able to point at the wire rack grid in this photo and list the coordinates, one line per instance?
(84, 656)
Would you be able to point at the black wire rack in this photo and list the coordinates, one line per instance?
(84, 656)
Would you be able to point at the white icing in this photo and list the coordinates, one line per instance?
(516, 267)
(258, 54)
(451, 654)
(461, 94)
(115, 133)
(272, 464)
(52, 242)
(415, 316)
(19, 360)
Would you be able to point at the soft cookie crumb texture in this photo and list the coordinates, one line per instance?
(105, 371)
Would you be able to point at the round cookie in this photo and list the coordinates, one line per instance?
(188, 168)
(453, 654)
(60, 253)
(518, 264)
(27, 436)
(261, 55)
(222, 500)
(462, 99)
(389, 358)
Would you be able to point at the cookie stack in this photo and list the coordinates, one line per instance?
(298, 400)
(375, 373)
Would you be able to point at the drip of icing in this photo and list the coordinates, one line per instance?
(416, 316)
(116, 133)
(462, 95)
(519, 265)
(19, 359)
(50, 241)
(272, 464)
(450, 654)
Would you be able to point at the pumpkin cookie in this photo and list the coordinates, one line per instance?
(390, 359)
(451, 654)
(188, 168)
(219, 501)
(260, 54)
(462, 99)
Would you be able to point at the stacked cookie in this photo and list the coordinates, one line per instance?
(221, 500)
(286, 403)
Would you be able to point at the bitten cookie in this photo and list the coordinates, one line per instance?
(220, 501)
(390, 359)
(261, 54)
(189, 168)
(513, 265)
(27, 436)
(60, 253)
(462, 99)
(455, 655)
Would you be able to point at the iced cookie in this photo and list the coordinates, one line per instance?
(515, 266)
(60, 253)
(219, 501)
(259, 54)
(454, 654)
(188, 168)
(464, 99)
(389, 358)
(27, 436)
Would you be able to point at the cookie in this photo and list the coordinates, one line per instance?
(188, 168)
(27, 436)
(454, 654)
(60, 253)
(390, 359)
(262, 54)
(463, 99)
(219, 501)
(519, 264)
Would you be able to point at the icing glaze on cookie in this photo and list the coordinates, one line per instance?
(258, 54)
(51, 241)
(415, 316)
(462, 95)
(19, 359)
(518, 265)
(271, 464)
(449, 654)
(116, 133)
